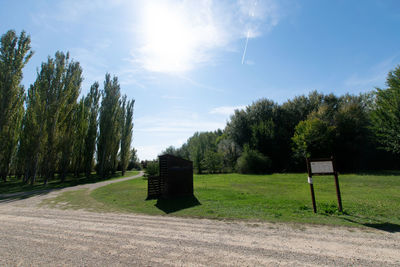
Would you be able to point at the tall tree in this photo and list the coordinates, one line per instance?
(33, 134)
(133, 160)
(60, 81)
(213, 161)
(14, 55)
(67, 141)
(52, 99)
(255, 126)
(199, 144)
(109, 129)
(313, 138)
(92, 105)
(353, 136)
(126, 132)
(386, 115)
(230, 151)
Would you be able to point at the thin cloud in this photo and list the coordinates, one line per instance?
(170, 36)
(179, 36)
(148, 152)
(375, 77)
(198, 84)
(249, 62)
(182, 124)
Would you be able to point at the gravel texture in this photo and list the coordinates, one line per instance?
(33, 236)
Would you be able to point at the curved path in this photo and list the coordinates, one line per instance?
(34, 236)
(33, 198)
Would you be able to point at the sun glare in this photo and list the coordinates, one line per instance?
(168, 40)
(177, 36)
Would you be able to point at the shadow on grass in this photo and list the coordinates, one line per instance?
(177, 204)
(388, 227)
(381, 173)
(379, 225)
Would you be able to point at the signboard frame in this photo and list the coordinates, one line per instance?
(321, 162)
(329, 171)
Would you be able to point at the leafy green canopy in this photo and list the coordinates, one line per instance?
(386, 113)
(48, 132)
(15, 53)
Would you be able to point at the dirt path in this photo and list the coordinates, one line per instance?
(32, 199)
(42, 236)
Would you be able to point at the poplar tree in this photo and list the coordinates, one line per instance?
(92, 106)
(109, 130)
(81, 124)
(33, 134)
(66, 141)
(14, 55)
(126, 132)
(75, 131)
(60, 82)
(50, 105)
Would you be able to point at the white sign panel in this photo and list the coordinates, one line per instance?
(321, 167)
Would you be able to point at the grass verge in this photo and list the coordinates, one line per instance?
(369, 200)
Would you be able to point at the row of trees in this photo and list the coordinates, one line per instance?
(361, 131)
(49, 130)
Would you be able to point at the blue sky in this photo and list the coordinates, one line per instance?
(187, 65)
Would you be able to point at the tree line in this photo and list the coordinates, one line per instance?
(49, 131)
(360, 131)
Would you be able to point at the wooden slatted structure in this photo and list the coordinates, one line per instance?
(176, 178)
(153, 187)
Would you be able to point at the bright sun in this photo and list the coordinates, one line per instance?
(175, 37)
(167, 39)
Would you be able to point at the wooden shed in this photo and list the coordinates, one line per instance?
(176, 178)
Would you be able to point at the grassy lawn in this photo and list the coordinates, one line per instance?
(14, 185)
(368, 199)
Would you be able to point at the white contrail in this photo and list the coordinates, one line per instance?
(251, 14)
(245, 47)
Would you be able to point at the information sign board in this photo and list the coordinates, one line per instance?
(321, 167)
(324, 166)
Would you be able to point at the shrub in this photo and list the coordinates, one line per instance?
(134, 165)
(252, 161)
(152, 168)
(213, 161)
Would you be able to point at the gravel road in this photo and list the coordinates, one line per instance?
(32, 236)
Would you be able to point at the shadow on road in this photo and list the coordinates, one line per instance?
(177, 204)
(42, 190)
(8, 198)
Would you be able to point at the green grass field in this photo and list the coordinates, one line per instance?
(370, 200)
(14, 185)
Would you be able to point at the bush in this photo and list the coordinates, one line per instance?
(252, 161)
(152, 168)
(213, 161)
(134, 165)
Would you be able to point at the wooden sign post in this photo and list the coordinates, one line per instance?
(323, 167)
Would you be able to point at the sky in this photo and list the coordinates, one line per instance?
(190, 64)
